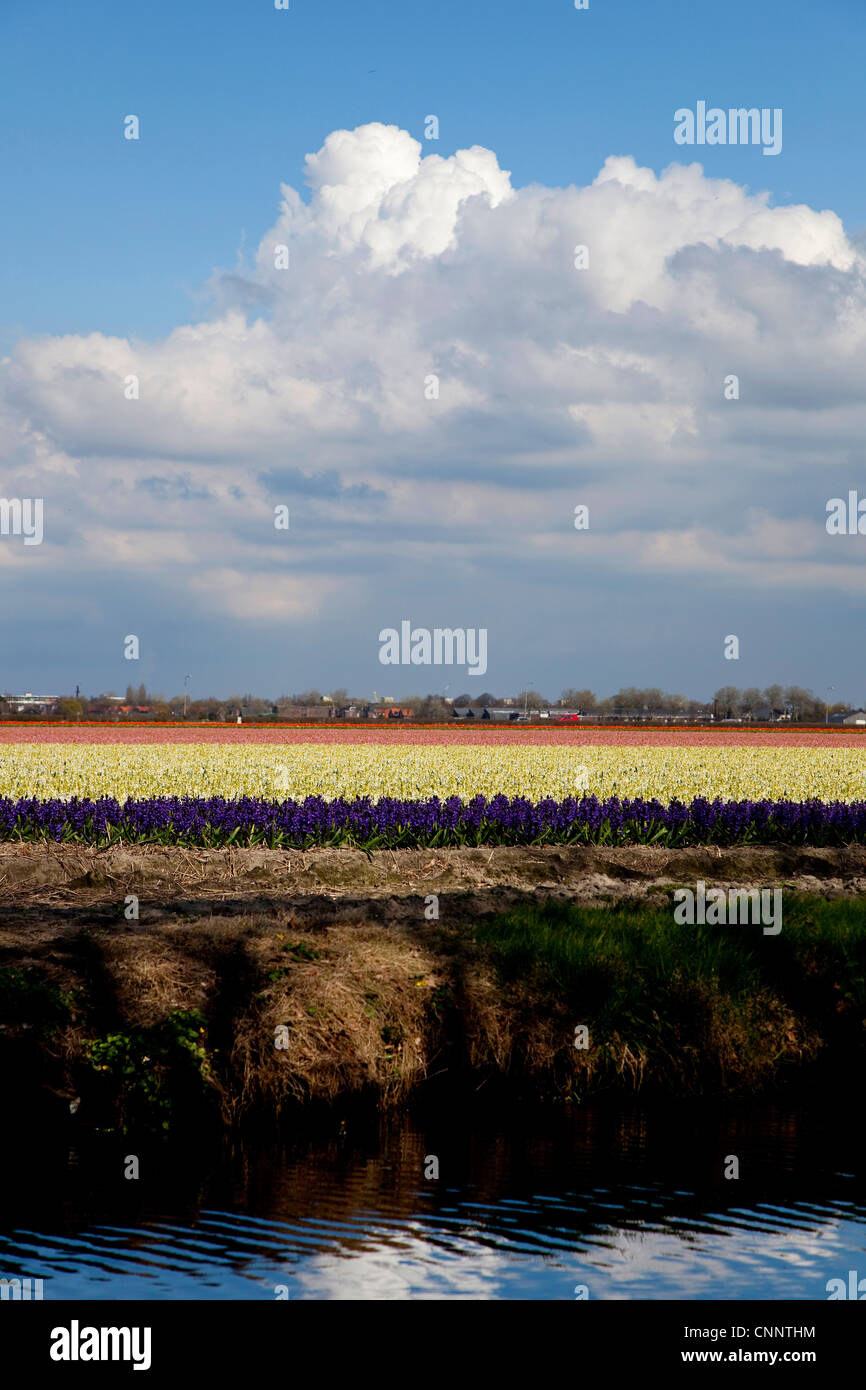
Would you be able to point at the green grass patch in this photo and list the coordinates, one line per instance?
(698, 1002)
(301, 950)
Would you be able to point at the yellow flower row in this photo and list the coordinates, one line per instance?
(299, 770)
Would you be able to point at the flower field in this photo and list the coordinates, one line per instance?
(459, 733)
(393, 795)
(395, 824)
(371, 771)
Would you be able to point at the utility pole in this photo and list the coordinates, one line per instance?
(185, 694)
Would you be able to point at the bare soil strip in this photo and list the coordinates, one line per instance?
(82, 875)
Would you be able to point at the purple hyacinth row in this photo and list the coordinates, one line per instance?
(500, 820)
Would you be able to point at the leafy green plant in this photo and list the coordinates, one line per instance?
(153, 1069)
(301, 950)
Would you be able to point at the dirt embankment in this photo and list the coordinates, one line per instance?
(82, 876)
(257, 978)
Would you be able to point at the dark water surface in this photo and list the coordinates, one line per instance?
(631, 1203)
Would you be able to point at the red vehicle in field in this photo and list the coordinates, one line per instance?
(568, 719)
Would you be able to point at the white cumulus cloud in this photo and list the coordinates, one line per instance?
(433, 376)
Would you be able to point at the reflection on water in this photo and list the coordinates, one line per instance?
(632, 1204)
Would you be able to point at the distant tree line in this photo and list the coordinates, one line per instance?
(729, 702)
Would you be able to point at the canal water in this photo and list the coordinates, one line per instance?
(599, 1202)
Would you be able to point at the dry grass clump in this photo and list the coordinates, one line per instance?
(340, 1011)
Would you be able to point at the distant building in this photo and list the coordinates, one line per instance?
(492, 712)
(100, 706)
(31, 704)
(386, 709)
(857, 716)
(296, 713)
(765, 715)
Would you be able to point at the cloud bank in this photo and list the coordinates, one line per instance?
(431, 385)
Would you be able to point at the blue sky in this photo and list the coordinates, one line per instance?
(232, 95)
(134, 240)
